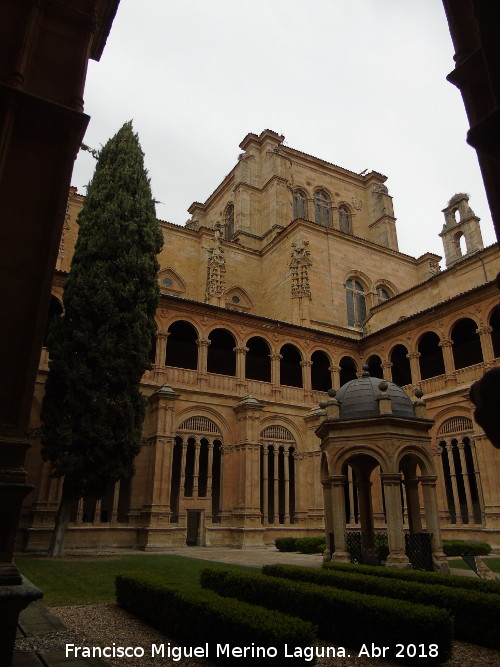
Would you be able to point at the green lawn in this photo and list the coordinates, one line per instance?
(84, 580)
(492, 563)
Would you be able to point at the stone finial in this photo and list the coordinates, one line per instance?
(384, 400)
(366, 371)
(419, 404)
(332, 405)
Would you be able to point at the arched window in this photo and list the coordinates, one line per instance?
(258, 360)
(382, 294)
(299, 205)
(290, 368)
(321, 379)
(322, 208)
(229, 220)
(401, 369)
(182, 348)
(356, 305)
(345, 219)
(221, 357)
(466, 344)
(431, 356)
(277, 474)
(374, 364)
(348, 370)
(495, 334)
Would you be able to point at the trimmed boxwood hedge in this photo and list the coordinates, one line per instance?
(473, 612)
(463, 548)
(193, 617)
(304, 545)
(343, 617)
(454, 581)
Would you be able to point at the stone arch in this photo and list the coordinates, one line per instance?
(344, 217)
(321, 379)
(374, 363)
(466, 348)
(431, 358)
(258, 359)
(278, 474)
(221, 356)
(290, 366)
(182, 347)
(322, 200)
(300, 203)
(348, 369)
(401, 367)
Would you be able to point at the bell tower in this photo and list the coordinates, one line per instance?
(461, 233)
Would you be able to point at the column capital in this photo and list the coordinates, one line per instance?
(428, 480)
(337, 480)
(203, 342)
(306, 364)
(391, 478)
(276, 357)
(240, 349)
(413, 355)
(446, 342)
(483, 330)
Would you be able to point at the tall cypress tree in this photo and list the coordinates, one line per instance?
(99, 348)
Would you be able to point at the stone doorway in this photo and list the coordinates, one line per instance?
(194, 528)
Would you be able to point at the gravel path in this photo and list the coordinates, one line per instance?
(107, 623)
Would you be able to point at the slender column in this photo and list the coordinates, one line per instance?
(465, 478)
(183, 467)
(335, 374)
(209, 467)
(486, 343)
(97, 511)
(116, 495)
(276, 518)
(337, 503)
(196, 471)
(428, 483)
(286, 471)
(203, 344)
(413, 502)
(449, 363)
(241, 353)
(386, 370)
(306, 376)
(161, 348)
(265, 485)
(475, 462)
(275, 368)
(365, 512)
(350, 481)
(414, 367)
(445, 512)
(79, 512)
(453, 475)
(392, 491)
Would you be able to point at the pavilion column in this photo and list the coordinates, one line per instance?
(337, 505)
(335, 376)
(465, 478)
(350, 482)
(439, 559)
(449, 362)
(364, 487)
(413, 504)
(414, 367)
(486, 343)
(116, 496)
(392, 491)
(453, 475)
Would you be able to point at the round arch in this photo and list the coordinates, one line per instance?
(182, 346)
(221, 355)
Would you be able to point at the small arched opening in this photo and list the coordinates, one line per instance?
(221, 357)
(431, 356)
(258, 360)
(182, 348)
(466, 344)
(321, 379)
(401, 369)
(290, 368)
(348, 370)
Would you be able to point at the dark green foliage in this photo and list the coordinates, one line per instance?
(193, 617)
(473, 612)
(418, 575)
(463, 548)
(304, 545)
(99, 349)
(343, 617)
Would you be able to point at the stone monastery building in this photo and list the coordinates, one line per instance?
(282, 285)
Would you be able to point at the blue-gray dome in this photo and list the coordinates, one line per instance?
(358, 399)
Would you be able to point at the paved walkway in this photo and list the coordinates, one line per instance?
(39, 629)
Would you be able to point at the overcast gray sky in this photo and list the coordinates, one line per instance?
(360, 83)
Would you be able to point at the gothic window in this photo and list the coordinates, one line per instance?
(321, 379)
(431, 356)
(348, 370)
(356, 305)
(277, 475)
(182, 349)
(229, 220)
(495, 334)
(258, 360)
(322, 208)
(382, 294)
(221, 357)
(401, 369)
(345, 219)
(466, 344)
(299, 205)
(290, 368)
(460, 471)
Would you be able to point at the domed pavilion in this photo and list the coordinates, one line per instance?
(376, 447)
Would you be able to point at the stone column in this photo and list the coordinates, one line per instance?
(386, 370)
(413, 503)
(114, 510)
(241, 354)
(449, 362)
(161, 348)
(286, 473)
(335, 373)
(350, 481)
(453, 475)
(183, 468)
(439, 559)
(465, 479)
(392, 491)
(479, 487)
(365, 512)
(209, 467)
(337, 503)
(265, 485)
(203, 344)
(414, 367)
(306, 378)
(196, 471)
(486, 343)
(276, 517)
(275, 370)
(97, 511)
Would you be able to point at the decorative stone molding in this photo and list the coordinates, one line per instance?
(216, 267)
(300, 264)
